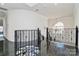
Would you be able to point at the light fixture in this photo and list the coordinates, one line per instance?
(31, 4)
(36, 10)
(55, 4)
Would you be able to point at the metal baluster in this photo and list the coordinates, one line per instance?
(31, 41)
(23, 43)
(71, 35)
(34, 39)
(26, 42)
(15, 42)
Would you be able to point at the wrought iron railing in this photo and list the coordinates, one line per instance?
(27, 42)
(68, 36)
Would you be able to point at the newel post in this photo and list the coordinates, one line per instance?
(76, 42)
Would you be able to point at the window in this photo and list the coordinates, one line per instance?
(58, 27)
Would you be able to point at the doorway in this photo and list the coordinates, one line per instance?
(1, 36)
(2, 30)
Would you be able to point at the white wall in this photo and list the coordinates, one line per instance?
(76, 14)
(76, 17)
(68, 21)
(23, 19)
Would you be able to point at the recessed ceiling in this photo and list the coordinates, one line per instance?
(52, 10)
(45, 9)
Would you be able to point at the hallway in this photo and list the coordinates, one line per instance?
(30, 19)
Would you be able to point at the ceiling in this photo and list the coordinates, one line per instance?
(50, 10)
